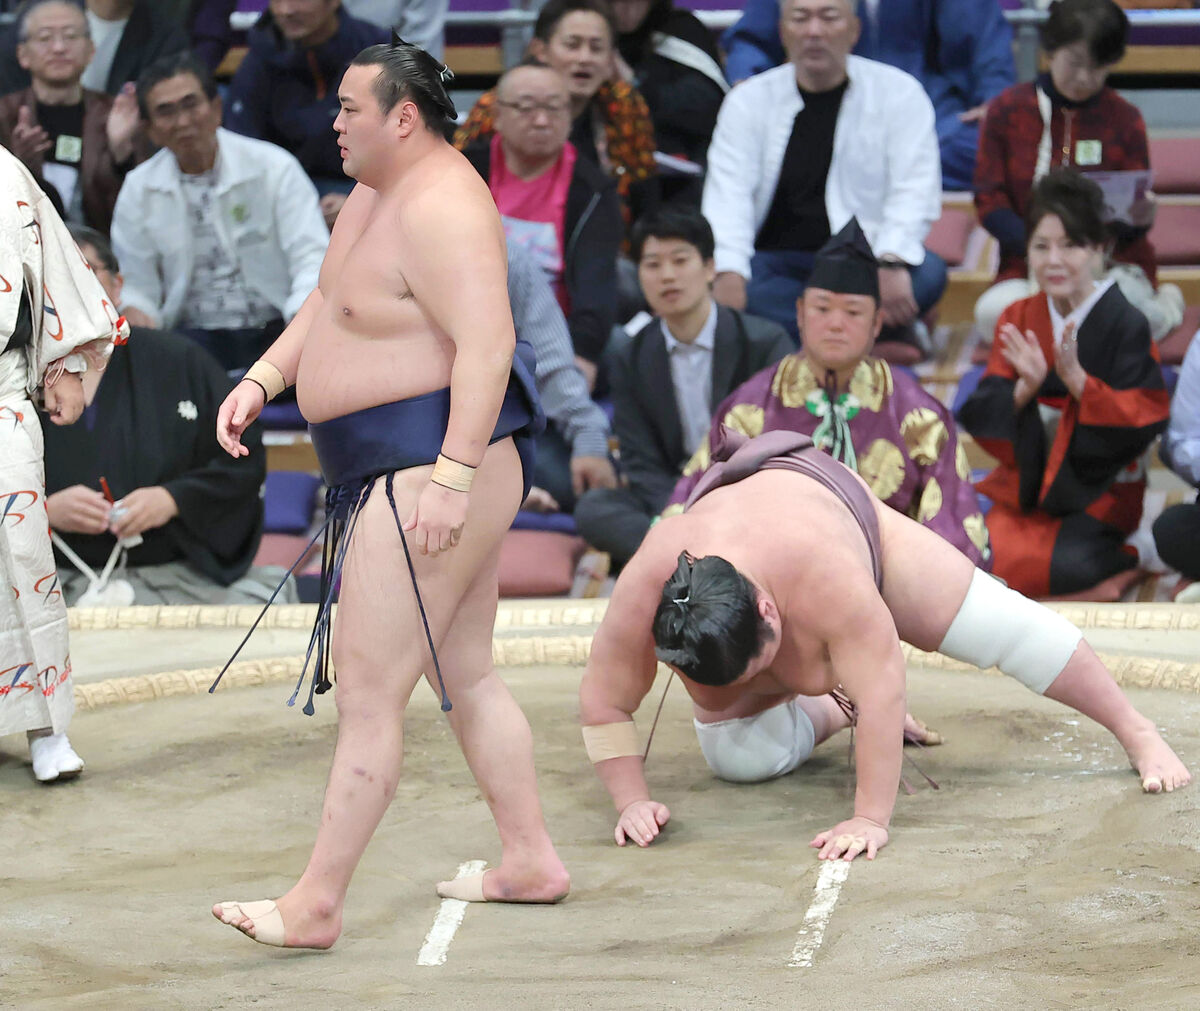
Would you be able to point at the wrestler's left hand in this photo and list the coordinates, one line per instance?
(438, 518)
(64, 400)
(848, 839)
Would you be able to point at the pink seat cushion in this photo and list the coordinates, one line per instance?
(949, 234)
(283, 549)
(1174, 346)
(1176, 164)
(1176, 234)
(538, 563)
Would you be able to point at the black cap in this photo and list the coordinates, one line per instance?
(845, 264)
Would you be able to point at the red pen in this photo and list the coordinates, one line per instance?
(104, 488)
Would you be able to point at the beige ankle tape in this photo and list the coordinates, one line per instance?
(268, 377)
(611, 740)
(452, 474)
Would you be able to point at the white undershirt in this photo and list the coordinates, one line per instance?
(106, 36)
(691, 375)
(1058, 322)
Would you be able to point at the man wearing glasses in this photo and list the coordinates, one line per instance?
(562, 209)
(78, 143)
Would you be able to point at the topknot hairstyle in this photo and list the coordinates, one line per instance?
(707, 624)
(409, 73)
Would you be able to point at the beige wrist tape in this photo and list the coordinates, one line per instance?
(268, 377)
(611, 740)
(452, 474)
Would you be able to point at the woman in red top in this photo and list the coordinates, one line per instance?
(1072, 397)
(1067, 118)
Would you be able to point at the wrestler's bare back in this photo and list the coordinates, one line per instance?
(372, 342)
(798, 542)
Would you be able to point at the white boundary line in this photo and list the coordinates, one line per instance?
(448, 920)
(825, 896)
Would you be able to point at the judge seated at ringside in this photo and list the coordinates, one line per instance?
(190, 517)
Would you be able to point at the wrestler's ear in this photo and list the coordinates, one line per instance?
(408, 118)
(766, 608)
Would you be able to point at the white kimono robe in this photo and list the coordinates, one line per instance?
(73, 324)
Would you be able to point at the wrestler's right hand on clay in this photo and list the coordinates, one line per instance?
(438, 519)
(244, 403)
(848, 839)
(640, 822)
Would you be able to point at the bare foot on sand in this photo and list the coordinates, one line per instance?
(308, 925)
(510, 884)
(1159, 766)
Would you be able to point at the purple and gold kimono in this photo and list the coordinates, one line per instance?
(899, 439)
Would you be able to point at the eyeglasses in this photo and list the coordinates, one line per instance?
(528, 108)
(169, 111)
(45, 39)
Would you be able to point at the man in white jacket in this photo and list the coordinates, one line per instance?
(800, 149)
(219, 236)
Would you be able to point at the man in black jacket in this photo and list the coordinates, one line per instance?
(562, 209)
(667, 379)
(190, 517)
(128, 35)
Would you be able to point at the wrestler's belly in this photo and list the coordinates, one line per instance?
(341, 372)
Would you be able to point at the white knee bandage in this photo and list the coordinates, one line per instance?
(998, 627)
(754, 748)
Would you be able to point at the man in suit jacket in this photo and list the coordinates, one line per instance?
(667, 379)
(128, 35)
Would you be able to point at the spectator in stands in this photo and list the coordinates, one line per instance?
(1068, 118)
(667, 378)
(1072, 397)
(209, 30)
(960, 51)
(79, 141)
(556, 204)
(128, 35)
(671, 59)
(572, 453)
(421, 22)
(610, 124)
(286, 89)
(876, 420)
(800, 149)
(147, 436)
(1177, 530)
(220, 235)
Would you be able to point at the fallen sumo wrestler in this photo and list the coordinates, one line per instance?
(785, 579)
(422, 409)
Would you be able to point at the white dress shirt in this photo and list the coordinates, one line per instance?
(691, 375)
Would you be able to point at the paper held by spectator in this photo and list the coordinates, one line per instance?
(674, 165)
(1124, 194)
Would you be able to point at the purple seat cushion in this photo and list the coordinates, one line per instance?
(290, 500)
(559, 523)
